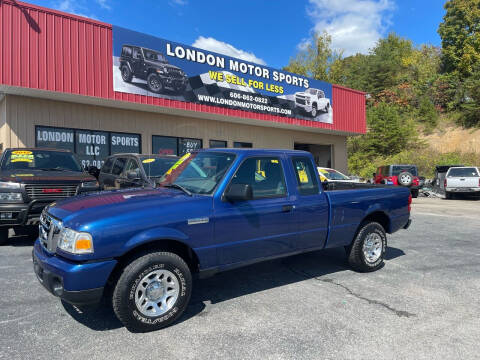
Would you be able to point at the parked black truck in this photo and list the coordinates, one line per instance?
(153, 67)
(31, 178)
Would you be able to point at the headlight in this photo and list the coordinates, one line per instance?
(9, 185)
(307, 101)
(75, 242)
(89, 184)
(11, 197)
(161, 71)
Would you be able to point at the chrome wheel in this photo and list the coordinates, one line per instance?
(372, 247)
(156, 293)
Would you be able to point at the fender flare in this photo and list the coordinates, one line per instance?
(152, 235)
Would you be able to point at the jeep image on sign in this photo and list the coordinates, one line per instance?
(153, 67)
(32, 178)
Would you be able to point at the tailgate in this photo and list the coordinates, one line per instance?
(462, 182)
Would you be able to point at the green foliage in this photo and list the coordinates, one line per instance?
(460, 33)
(427, 113)
(316, 58)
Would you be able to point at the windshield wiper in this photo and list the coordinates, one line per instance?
(179, 187)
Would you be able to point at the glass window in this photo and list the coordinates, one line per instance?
(91, 147)
(186, 145)
(119, 166)
(238, 144)
(397, 169)
(55, 138)
(126, 51)
(136, 53)
(124, 143)
(264, 175)
(107, 166)
(164, 145)
(132, 165)
(217, 144)
(157, 166)
(307, 183)
(463, 172)
(39, 160)
(199, 172)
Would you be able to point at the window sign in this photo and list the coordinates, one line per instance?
(125, 143)
(186, 145)
(55, 138)
(91, 147)
(164, 145)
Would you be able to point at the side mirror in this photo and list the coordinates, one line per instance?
(239, 192)
(132, 175)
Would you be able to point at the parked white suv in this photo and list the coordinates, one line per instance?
(311, 101)
(462, 180)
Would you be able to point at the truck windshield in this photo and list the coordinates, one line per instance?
(397, 169)
(311, 91)
(463, 172)
(156, 166)
(199, 173)
(39, 160)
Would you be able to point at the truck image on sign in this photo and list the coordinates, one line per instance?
(311, 101)
(217, 209)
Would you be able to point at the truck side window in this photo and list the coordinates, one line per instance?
(307, 183)
(265, 176)
(118, 166)
(107, 166)
(132, 165)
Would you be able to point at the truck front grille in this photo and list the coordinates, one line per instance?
(300, 100)
(50, 191)
(49, 231)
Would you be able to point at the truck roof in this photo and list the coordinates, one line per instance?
(259, 151)
(35, 149)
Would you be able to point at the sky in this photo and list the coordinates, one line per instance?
(268, 32)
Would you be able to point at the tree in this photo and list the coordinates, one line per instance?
(460, 33)
(315, 58)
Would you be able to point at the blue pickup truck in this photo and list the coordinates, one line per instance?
(215, 210)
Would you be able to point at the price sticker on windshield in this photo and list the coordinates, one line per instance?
(148, 161)
(178, 163)
(21, 155)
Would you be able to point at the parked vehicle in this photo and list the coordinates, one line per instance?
(31, 178)
(311, 101)
(327, 174)
(462, 180)
(400, 175)
(134, 170)
(217, 210)
(152, 66)
(440, 172)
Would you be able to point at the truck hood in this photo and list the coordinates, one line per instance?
(302, 93)
(39, 176)
(85, 210)
(160, 64)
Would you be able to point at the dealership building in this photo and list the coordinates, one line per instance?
(76, 83)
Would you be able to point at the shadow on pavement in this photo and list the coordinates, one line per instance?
(236, 283)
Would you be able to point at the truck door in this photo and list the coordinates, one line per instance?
(263, 226)
(124, 181)
(311, 206)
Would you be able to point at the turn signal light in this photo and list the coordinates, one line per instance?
(83, 244)
(445, 183)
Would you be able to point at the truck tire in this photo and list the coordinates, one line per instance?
(414, 193)
(154, 83)
(3, 236)
(367, 251)
(149, 280)
(448, 195)
(405, 179)
(127, 75)
(313, 113)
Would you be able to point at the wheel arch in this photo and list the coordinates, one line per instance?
(377, 216)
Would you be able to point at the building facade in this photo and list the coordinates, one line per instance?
(62, 84)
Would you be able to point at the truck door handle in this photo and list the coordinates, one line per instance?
(287, 208)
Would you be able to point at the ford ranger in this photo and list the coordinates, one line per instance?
(217, 209)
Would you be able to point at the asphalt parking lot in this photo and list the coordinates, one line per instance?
(424, 304)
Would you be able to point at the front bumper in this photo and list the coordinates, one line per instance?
(22, 213)
(76, 283)
(306, 108)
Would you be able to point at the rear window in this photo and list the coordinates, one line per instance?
(463, 172)
(397, 169)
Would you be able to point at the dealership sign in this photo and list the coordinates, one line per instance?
(147, 65)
